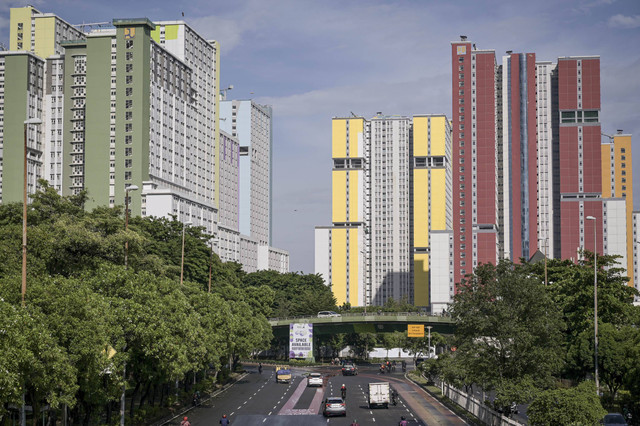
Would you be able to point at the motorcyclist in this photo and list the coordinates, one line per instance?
(224, 421)
(355, 423)
(403, 421)
(404, 366)
(260, 368)
(196, 398)
(343, 391)
(394, 396)
(185, 422)
(382, 368)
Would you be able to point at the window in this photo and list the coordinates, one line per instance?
(128, 152)
(129, 56)
(128, 163)
(129, 44)
(129, 91)
(128, 127)
(129, 68)
(128, 103)
(129, 79)
(127, 175)
(128, 115)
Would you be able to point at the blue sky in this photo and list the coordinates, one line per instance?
(313, 60)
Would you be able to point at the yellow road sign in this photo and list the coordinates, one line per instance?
(415, 330)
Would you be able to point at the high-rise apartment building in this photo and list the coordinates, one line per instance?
(250, 124)
(431, 220)
(617, 183)
(157, 84)
(579, 155)
(35, 63)
(547, 157)
(391, 209)
(475, 168)
(132, 104)
(228, 241)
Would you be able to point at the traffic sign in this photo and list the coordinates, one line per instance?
(415, 330)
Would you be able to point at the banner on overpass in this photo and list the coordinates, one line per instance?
(415, 330)
(301, 340)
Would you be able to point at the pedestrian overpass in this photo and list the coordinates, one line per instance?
(375, 322)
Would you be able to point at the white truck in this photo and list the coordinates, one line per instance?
(379, 394)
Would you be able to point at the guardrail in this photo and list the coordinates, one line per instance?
(362, 314)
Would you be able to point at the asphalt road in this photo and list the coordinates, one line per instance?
(258, 400)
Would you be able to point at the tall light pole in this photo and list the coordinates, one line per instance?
(34, 121)
(429, 327)
(595, 299)
(184, 226)
(126, 223)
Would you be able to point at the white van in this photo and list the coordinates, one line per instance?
(324, 314)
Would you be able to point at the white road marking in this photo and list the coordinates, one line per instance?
(269, 413)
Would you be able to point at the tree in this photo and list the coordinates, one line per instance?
(507, 327)
(571, 289)
(618, 349)
(577, 406)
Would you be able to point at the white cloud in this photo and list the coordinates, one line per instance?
(624, 21)
(226, 31)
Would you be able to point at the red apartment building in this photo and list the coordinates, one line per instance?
(579, 154)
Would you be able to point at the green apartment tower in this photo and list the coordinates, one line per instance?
(133, 103)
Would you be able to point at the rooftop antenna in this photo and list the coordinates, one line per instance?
(463, 38)
(509, 52)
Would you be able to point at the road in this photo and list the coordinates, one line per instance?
(256, 399)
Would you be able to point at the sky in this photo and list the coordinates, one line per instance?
(314, 60)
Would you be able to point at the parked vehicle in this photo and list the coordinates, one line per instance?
(349, 370)
(314, 379)
(614, 419)
(323, 314)
(379, 395)
(283, 375)
(334, 406)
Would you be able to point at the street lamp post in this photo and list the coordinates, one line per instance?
(595, 299)
(429, 327)
(126, 222)
(184, 226)
(34, 121)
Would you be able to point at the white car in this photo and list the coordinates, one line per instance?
(323, 314)
(314, 379)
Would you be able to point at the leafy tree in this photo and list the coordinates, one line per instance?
(507, 328)
(393, 340)
(571, 289)
(575, 406)
(32, 362)
(618, 350)
(361, 343)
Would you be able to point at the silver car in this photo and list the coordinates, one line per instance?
(334, 406)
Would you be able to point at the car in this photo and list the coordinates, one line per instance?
(349, 370)
(325, 314)
(334, 406)
(614, 419)
(314, 379)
